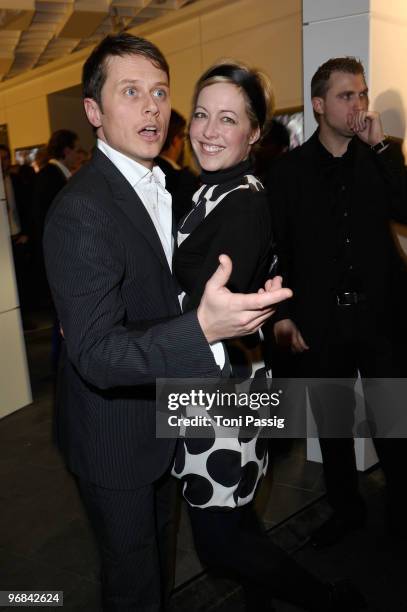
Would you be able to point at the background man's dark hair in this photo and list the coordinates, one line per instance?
(59, 141)
(275, 142)
(118, 45)
(319, 82)
(278, 136)
(176, 127)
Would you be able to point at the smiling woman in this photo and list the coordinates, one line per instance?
(232, 105)
(221, 134)
(231, 108)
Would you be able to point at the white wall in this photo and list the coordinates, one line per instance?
(66, 112)
(329, 32)
(388, 53)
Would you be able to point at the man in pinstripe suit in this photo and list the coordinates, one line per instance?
(108, 246)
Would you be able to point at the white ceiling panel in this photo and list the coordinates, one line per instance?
(35, 32)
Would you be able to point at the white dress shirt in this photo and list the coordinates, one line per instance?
(150, 187)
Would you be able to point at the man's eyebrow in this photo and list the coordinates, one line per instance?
(348, 92)
(127, 81)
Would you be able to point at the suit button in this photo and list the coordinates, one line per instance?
(345, 214)
(347, 240)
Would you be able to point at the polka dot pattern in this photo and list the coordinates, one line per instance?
(221, 472)
(223, 467)
(197, 490)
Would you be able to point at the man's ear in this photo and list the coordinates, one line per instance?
(93, 112)
(318, 104)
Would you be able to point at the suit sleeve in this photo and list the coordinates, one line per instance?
(245, 235)
(85, 264)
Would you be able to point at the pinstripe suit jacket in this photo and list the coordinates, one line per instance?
(107, 269)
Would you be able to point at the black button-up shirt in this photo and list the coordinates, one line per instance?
(338, 178)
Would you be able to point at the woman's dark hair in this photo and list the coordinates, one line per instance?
(255, 86)
(119, 45)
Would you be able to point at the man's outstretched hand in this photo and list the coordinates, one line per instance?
(223, 314)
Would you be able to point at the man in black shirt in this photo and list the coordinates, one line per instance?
(332, 201)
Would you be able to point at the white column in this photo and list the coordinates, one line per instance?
(15, 390)
(332, 29)
(375, 31)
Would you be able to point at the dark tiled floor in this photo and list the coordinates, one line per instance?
(46, 543)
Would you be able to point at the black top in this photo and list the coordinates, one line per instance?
(338, 177)
(309, 231)
(23, 183)
(48, 183)
(231, 215)
(181, 184)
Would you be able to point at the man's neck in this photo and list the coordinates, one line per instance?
(335, 144)
(148, 164)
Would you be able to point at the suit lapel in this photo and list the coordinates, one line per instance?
(131, 205)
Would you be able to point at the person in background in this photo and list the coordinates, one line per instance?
(274, 144)
(179, 180)
(232, 106)
(332, 200)
(63, 154)
(82, 158)
(41, 159)
(62, 157)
